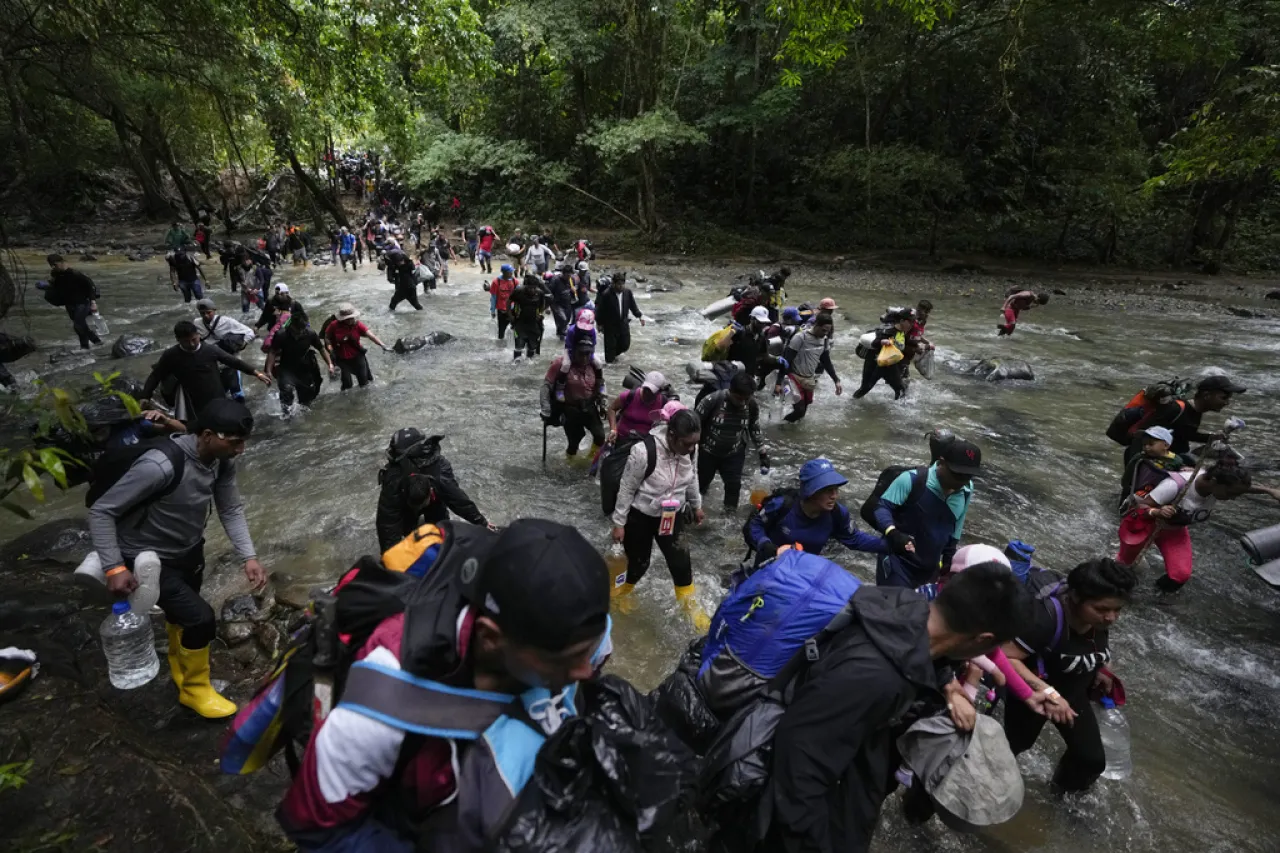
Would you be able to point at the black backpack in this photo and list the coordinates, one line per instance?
(613, 465)
(789, 497)
(884, 481)
(113, 464)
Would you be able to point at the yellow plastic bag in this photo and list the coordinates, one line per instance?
(889, 354)
(714, 347)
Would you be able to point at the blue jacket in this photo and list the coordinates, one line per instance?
(936, 522)
(348, 246)
(772, 525)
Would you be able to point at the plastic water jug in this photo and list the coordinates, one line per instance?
(130, 647)
(1115, 740)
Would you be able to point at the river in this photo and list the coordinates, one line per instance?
(1203, 676)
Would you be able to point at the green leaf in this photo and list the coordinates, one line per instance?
(130, 404)
(32, 480)
(53, 465)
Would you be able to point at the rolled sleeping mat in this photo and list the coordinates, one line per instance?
(775, 347)
(1263, 545)
(719, 307)
(695, 369)
(1269, 572)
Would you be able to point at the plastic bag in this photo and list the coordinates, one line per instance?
(608, 780)
(681, 705)
(716, 344)
(889, 354)
(924, 364)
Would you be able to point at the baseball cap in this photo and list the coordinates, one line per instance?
(827, 304)
(1160, 433)
(963, 457)
(205, 305)
(54, 259)
(653, 380)
(972, 555)
(790, 314)
(816, 475)
(586, 319)
(669, 410)
(1220, 382)
(760, 313)
(282, 288)
(544, 585)
(225, 416)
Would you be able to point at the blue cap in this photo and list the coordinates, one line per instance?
(790, 315)
(120, 607)
(816, 475)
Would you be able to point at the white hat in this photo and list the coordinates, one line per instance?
(760, 313)
(347, 311)
(653, 380)
(281, 287)
(972, 555)
(1159, 432)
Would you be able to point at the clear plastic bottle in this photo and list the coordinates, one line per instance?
(616, 560)
(98, 325)
(129, 646)
(1115, 740)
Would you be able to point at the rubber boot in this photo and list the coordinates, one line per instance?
(175, 643)
(196, 692)
(686, 598)
(622, 597)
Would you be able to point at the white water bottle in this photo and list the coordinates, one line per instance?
(98, 325)
(1115, 740)
(129, 646)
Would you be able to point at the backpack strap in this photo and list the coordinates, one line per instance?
(651, 448)
(1060, 622)
(919, 482)
(809, 653)
(420, 705)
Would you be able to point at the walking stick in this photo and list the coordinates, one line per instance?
(1221, 447)
(544, 442)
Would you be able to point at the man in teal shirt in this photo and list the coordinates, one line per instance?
(931, 517)
(176, 238)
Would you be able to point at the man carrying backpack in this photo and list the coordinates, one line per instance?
(807, 353)
(729, 418)
(833, 752)
(1182, 417)
(161, 503)
(809, 518)
(926, 508)
(196, 365)
(75, 291)
(417, 485)
(514, 622)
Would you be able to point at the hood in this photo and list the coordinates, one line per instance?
(896, 621)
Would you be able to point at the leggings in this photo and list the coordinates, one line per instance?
(872, 373)
(640, 532)
(1084, 760)
(180, 580)
(730, 470)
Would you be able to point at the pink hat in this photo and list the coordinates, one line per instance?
(586, 319)
(669, 410)
(972, 555)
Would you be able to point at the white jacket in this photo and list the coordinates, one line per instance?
(223, 326)
(674, 477)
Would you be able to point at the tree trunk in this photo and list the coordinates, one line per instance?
(17, 119)
(154, 202)
(319, 198)
(648, 190)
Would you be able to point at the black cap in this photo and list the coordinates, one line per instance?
(225, 416)
(1220, 382)
(55, 258)
(544, 585)
(963, 457)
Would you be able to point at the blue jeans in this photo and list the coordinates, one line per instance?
(191, 288)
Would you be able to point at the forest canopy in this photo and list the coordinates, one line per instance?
(1111, 131)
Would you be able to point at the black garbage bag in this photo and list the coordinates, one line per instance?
(130, 345)
(736, 772)
(680, 704)
(610, 780)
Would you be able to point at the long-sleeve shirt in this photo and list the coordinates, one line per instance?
(197, 372)
(727, 426)
(174, 524)
(673, 478)
(224, 327)
(807, 354)
(73, 286)
(782, 521)
(398, 516)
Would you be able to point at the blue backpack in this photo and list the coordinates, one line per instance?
(764, 621)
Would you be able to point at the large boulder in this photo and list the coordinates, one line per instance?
(14, 347)
(131, 345)
(1000, 369)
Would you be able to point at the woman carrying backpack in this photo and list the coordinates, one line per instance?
(654, 498)
(1067, 632)
(632, 413)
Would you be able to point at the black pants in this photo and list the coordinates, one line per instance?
(730, 470)
(528, 338)
(580, 421)
(872, 373)
(357, 368)
(349, 258)
(617, 340)
(180, 580)
(640, 532)
(79, 315)
(299, 380)
(504, 320)
(406, 293)
(1084, 760)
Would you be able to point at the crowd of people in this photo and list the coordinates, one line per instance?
(486, 642)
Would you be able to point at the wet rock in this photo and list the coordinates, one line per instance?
(1058, 291)
(295, 596)
(235, 633)
(65, 540)
(1246, 312)
(640, 278)
(87, 256)
(14, 347)
(65, 355)
(269, 639)
(407, 345)
(138, 256)
(131, 345)
(249, 607)
(1001, 369)
(1170, 285)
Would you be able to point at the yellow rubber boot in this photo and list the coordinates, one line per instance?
(623, 601)
(686, 598)
(175, 643)
(197, 692)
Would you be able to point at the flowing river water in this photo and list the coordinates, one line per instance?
(1203, 676)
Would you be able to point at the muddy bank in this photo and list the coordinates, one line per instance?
(113, 770)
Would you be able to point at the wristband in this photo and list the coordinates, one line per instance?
(117, 570)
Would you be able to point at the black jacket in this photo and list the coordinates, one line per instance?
(73, 287)
(834, 755)
(608, 315)
(405, 481)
